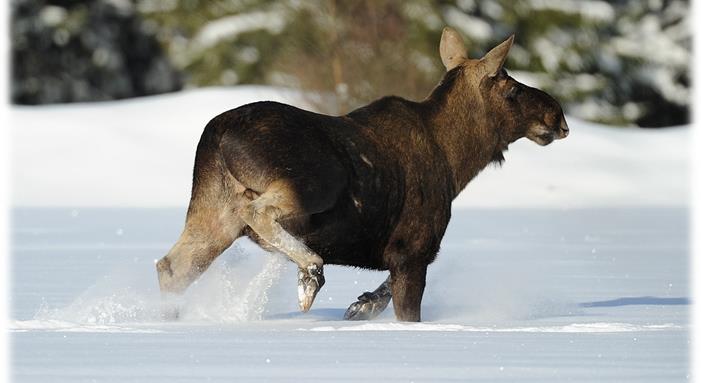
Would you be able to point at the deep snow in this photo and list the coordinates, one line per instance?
(568, 264)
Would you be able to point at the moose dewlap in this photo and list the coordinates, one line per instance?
(371, 189)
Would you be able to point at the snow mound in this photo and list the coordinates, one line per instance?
(140, 152)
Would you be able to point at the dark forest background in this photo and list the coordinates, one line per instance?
(620, 62)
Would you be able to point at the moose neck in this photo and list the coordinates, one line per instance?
(470, 138)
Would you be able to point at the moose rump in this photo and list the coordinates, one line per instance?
(293, 181)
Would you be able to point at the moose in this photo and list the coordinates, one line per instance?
(370, 189)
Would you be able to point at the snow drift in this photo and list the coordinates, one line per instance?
(140, 152)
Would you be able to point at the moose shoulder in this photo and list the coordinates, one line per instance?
(370, 189)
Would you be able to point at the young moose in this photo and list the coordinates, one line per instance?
(370, 189)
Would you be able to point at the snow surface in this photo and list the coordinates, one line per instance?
(568, 264)
(543, 295)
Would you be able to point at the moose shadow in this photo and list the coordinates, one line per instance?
(327, 314)
(628, 301)
(336, 314)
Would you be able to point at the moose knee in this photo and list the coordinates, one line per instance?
(187, 260)
(257, 212)
(175, 274)
(170, 278)
(163, 267)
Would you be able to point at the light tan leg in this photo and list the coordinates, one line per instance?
(198, 246)
(261, 215)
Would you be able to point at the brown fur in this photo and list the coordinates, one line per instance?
(370, 189)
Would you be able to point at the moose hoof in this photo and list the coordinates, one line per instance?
(308, 285)
(368, 306)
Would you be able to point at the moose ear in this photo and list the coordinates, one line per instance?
(494, 59)
(452, 48)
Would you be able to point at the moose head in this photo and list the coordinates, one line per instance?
(512, 108)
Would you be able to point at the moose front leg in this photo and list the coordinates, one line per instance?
(370, 304)
(407, 287)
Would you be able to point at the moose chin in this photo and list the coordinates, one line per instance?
(370, 189)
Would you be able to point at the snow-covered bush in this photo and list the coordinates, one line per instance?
(623, 62)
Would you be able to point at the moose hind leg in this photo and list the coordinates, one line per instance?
(261, 215)
(211, 226)
(407, 287)
(191, 255)
(199, 245)
(370, 304)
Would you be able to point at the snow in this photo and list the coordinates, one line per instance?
(649, 29)
(570, 328)
(137, 152)
(227, 28)
(567, 264)
(61, 326)
(599, 11)
(52, 15)
(473, 27)
(515, 294)
(140, 153)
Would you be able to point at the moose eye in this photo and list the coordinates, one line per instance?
(513, 92)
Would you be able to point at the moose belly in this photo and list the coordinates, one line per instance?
(338, 237)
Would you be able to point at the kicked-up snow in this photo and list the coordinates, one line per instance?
(567, 264)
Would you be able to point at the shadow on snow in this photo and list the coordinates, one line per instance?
(627, 301)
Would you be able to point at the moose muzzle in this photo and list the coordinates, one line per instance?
(564, 130)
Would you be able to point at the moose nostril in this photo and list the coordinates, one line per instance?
(564, 129)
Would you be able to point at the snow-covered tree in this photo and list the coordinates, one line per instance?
(619, 62)
(623, 62)
(355, 51)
